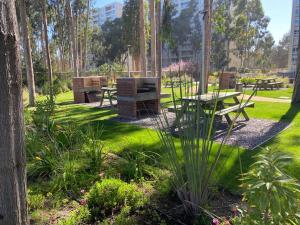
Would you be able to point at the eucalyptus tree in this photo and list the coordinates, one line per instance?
(27, 52)
(250, 26)
(46, 40)
(13, 207)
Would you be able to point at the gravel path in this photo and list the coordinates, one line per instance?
(247, 134)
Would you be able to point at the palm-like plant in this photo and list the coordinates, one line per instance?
(271, 194)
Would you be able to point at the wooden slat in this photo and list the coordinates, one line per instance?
(234, 108)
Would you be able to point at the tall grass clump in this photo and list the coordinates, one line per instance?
(196, 160)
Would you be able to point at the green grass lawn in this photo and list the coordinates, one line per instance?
(120, 136)
(287, 93)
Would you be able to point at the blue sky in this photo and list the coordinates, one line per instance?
(280, 12)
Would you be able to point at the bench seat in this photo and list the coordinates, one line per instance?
(234, 108)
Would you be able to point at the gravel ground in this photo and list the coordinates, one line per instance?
(247, 134)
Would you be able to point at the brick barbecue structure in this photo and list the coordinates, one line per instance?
(85, 89)
(227, 80)
(137, 96)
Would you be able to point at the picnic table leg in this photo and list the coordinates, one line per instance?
(102, 97)
(236, 100)
(227, 117)
(110, 98)
(179, 116)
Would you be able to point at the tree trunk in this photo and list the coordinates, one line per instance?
(84, 62)
(153, 37)
(207, 46)
(48, 57)
(143, 54)
(27, 53)
(72, 32)
(296, 93)
(158, 41)
(13, 206)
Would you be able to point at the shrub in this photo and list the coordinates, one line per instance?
(113, 194)
(35, 201)
(76, 217)
(123, 218)
(248, 80)
(271, 194)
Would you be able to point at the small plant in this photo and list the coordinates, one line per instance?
(35, 201)
(111, 195)
(123, 218)
(76, 217)
(271, 194)
(137, 164)
(248, 80)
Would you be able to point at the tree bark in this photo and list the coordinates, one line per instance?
(296, 92)
(13, 206)
(207, 45)
(143, 54)
(84, 62)
(158, 41)
(72, 32)
(48, 57)
(27, 51)
(153, 37)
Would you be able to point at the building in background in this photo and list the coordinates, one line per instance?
(294, 36)
(108, 12)
(185, 50)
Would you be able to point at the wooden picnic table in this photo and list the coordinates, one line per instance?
(110, 93)
(266, 83)
(208, 100)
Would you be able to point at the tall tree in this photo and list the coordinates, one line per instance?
(143, 50)
(27, 53)
(48, 56)
(280, 52)
(13, 207)
(250, 25)
(207, 45)
(158, 39)
(296, 93)
(263, 52)
(73, 37)
(153, 36)
(84, 63)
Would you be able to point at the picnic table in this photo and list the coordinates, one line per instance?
(111, 92)
(208, 100)
(267, 83)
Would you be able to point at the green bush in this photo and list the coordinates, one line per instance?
(123, 218)
(113, 194)
(248, 80)
(271, 194)
(76, 217)
(35, 201)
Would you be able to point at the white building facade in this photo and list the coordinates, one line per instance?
(109, 12)
(293, 54)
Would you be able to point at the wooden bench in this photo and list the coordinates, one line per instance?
(234, 108)
(275, 84)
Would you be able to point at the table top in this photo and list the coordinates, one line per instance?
(209, 97)
(108, 89)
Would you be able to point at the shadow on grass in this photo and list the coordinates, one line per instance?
(235, 161)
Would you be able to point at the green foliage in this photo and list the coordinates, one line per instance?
(43, 111)
(35, 201)
(113, 194)
(123, 218)
(271, 194)
(76, 217)
(248, 80)
(138, 164)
